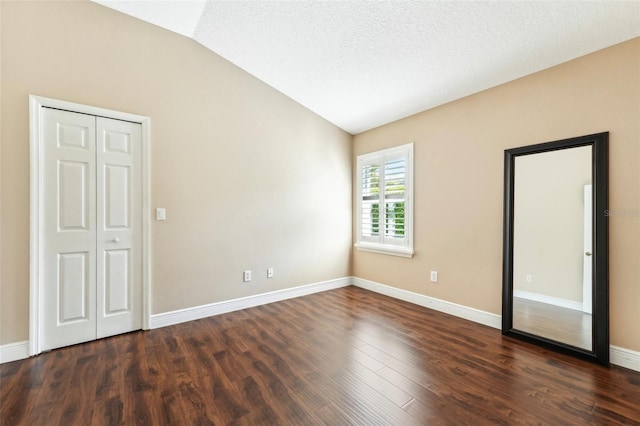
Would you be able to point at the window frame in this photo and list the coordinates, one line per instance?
(381, 244)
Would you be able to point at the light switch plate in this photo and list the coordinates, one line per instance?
(161, 213)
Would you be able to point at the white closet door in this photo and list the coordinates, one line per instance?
(119, 241)
(92, 228)
(69, 293)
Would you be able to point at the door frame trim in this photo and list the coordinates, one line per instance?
(36, 255)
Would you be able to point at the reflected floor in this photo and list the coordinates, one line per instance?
(553, 322)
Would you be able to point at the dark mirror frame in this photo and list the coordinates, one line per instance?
(600, 183)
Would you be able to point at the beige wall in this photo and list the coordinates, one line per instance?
(548, 225)
(249, 178)
(459, 150)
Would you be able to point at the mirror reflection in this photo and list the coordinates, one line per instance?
(552, 245)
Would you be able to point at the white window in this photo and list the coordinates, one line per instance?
(385, 201)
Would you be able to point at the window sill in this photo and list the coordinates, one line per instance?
(382, 249)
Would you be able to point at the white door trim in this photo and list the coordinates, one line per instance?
(36, 104)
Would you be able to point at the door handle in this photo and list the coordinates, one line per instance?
(588, 253)
(116, 240)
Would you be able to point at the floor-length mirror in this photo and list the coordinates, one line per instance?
(555, 245)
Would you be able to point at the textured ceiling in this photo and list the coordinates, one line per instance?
(362, 64)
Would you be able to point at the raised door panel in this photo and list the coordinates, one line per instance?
(73, 195)
(73, 287)
(117, 282)
(117, 188)
(75, 135)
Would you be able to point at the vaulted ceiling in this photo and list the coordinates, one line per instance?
(362, 64)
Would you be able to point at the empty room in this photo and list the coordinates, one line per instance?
(319, 212)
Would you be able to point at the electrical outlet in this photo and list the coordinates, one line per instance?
(529, 278)
(247, 276)
(434, 276)
(270, 273)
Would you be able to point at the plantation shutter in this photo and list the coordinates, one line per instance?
(384, 211)
(395, 172)
(370, 216)
(382, 208)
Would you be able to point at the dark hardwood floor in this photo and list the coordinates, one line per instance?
(347, 356)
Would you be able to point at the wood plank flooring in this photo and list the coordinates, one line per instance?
(342, 357)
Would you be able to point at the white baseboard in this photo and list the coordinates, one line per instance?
(197, 312)
(14, 351)
(624, 358)
(471, 314)
(550, 300)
